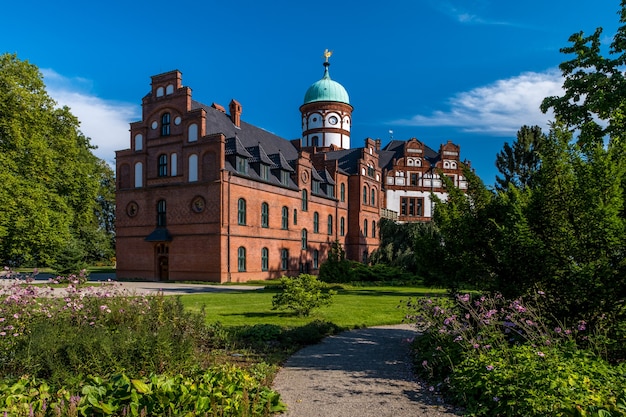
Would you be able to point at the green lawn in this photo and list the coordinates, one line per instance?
(351, 307)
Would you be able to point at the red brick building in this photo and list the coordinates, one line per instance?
(203, 195)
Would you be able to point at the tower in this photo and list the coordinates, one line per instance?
(326, 113)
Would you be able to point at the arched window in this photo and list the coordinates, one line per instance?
(330, 224)
(305, 200)
(364, 194)
(316, 222)
(161, 213)
(265, 259)
(265, 215)
(138, 142)
(241, 211)
(138, 175)
(342, 195)
(342, 227)
(169, 89)
(193, 168)
(365, 227)
(373, 197)
(373, 228)
(162, 165)
(304, 239)
(285, 218)
(284, 259)
(316, 259)
(165, 124)
(192, 132)
(241, 259)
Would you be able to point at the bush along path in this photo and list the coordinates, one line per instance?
(365, 372)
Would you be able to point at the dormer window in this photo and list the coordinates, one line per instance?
(284, 177)
(315, 187)
(242, 165)
(330, 190)
(264, 172)
(165, 124)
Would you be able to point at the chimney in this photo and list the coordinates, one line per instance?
(235, 112)
(378, 145)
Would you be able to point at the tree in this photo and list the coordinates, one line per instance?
(517, 163)
(595, 86)
(50, 178)
(302, 294)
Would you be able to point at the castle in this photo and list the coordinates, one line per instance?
(203, 195)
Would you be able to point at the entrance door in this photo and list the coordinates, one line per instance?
(162, 258)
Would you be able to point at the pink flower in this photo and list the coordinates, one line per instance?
(582, 325)
(558, 329)
(16, 316)
(3, 333)
(541, 354)
(425, 364)
(489, 367)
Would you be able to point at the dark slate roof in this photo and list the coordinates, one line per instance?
(235, 147)
(316, 176)
(248, 135)
(326, 177)
(259, 155)
(160, 234)
(279, 162)
(347, 159)
(395, 150)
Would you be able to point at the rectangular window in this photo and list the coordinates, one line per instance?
(330, 190)
(285, 218)
(242, 165)
(284, 177)
(414, 178)
(412, 206)
(284, 259)
(315, 187)
(265, 259)
(265, 172)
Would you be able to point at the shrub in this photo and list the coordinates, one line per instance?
(499, 357)
(302, 294)
(336, 268)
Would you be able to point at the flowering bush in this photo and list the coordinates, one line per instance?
(499, 357)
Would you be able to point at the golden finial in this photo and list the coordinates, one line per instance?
(327, 54)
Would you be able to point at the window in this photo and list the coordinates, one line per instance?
(284, 177)
(193, 168)
(192, 133)
(284, 259)
(305, 200)
(138, 175)
(370, 170)
(330, 190)
(316, 141)
(342, 227)
(330, 224)
(413, 178)
(316, 259)
(364, 194)
(365, 227)
(265, 172)
(295, 216)
(241, 259)
(165, 124)
(342, 192)
(242, 165)
(161, 213)
(174, 165)
(241, 211)
(162, 165)
(304, 239)
(315, 187)
(265, 259)
(316, 222)
(373, 228)
(373, 196)
(412, 206)
(285, 218)
(138, 142)
(265, 215)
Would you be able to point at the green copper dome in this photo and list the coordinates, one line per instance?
(326, 90)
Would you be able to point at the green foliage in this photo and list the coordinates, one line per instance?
(302, 294)
(336, 268)
(495, 356)
(594, 86)
(50, 181)
(219, 391)
(519, 162)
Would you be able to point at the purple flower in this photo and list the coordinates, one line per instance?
(582, 325)
(463, 298)
(489, 367)
(425, 364)
(541, 354)
(558, 330)
(496, 399)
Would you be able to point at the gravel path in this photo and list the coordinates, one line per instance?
(360, 373)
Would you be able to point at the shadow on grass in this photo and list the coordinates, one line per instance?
(282, 314)
(375, 292)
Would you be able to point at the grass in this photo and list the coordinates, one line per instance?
(352, 307)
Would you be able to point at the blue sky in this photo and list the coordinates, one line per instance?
(469, 71)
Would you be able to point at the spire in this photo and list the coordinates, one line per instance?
(327, 55)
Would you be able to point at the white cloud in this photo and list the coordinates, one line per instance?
(500, 108)
(106, 122)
